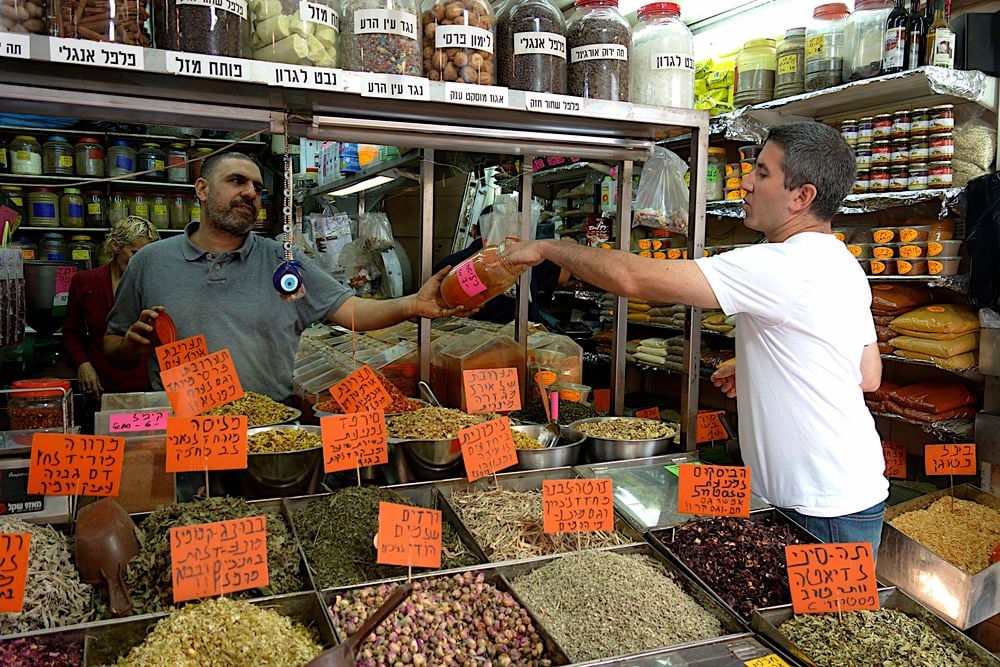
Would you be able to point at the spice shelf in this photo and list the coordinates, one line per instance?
(62, 229)
(85, 182)
(971, 374)
(857, 204)
(958, 284)
(108, 135)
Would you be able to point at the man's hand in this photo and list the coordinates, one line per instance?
(87, 378)
(725, 380)
(141, 337)
(428, 301)
(528, 253)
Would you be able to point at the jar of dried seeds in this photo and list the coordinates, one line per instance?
(531, 47)
(598, 39)
(459, 41)
(222, 30)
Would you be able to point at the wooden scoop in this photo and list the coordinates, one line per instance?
(343, 654)
(105, 543)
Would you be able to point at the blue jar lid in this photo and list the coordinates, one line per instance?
(56, 137)
(119, 142)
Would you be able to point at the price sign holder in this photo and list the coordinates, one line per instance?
(712, 426)
(202, 384)
(408, 536)
(14, 552)
(951, 460)
(648, 413)
(209, 442)
(713, 490)
(353, 441)
(180, 352)
(487, 448)
(831, 577)
(578, 505)
(75, 465)
(361, 390)
(210, 559)
(492, 390)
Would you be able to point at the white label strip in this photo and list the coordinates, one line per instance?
(545, 103)
(15, 45)
(539, 43)
(213, 67)
(385, 22)
(482, 96)
(238, 7)
(463, 37)
(396, 86)
(313, 12)
(100, 54)
(300, 76)
(672, 61)
(598, 52)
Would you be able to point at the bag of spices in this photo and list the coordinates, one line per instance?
(662, 200)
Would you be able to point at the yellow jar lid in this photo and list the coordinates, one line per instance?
(765, 42)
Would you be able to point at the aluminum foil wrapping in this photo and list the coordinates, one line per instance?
(950, 430)
(863, 203)
(744, 127)
(967, 84)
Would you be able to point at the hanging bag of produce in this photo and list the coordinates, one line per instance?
(662, 200)
(11, 290)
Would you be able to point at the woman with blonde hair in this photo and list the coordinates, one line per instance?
(91, 295)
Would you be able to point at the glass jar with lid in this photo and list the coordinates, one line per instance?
(57, 157)
(715, 175)
(95, 209)
(139, 205)
(177, 164)
(864, 37)
(756, 68)
(220, 29)
(25, 156)
(29, 249)
(200, 154)
(43, 208)
(791, 55)
(82, 251)
(598, 39)
(152, 159)
(52, 247)
(40, 403)
(159, 210)
(71, 209)
(121, 159)
(285, 33)
(662, 67)
(118, 207)
(381, 36)
(13, 194)
(459, 41)
(531, 47)
(89, 158)
(179, 212)
(124, 23)
(825, 46)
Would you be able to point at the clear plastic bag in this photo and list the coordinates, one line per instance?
(361, 275)
(662, 200)
(375, 231)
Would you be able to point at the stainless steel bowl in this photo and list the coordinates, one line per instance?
(279, 474)
(604, 449)
(563, 454)
(435, 453)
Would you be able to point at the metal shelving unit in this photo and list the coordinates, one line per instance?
(856, 204)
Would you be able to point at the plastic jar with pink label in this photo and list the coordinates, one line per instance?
(481, 277)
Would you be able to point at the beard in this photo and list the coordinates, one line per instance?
(230, 217)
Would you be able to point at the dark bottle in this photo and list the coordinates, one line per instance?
(894, 41)
(916, 43)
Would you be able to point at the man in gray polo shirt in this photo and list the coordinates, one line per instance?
(215, 280)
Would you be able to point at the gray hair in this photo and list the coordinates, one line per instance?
(816, 154)
(129, 230)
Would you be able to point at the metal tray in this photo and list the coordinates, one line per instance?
(727, 652)
(765, 623)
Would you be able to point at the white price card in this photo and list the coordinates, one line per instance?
(302, 76)
(238, 7)
(395, 86)
(213, 67)
(484, 96)
(15, 45)
(100, 54)
(314, 12)
(546, 103)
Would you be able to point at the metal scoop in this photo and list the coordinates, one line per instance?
(343, 654)
(428, 394)
(549, 436)
(105, 543)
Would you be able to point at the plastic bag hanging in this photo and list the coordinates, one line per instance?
(662, 200)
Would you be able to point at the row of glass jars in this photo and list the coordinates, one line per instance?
(49, 207)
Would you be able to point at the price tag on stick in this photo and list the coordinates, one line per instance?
(577, 505)
(831, 577)
(361, 390)
(138, 421)
(648, 413)
(211, 559)
(14, 552)
(711, 426)
(408, 536)
(195, 444)
(950, 459)
(354, 440)
(181, 352)
(487, 448)
(894, 454)
(713, 490)
(202, 384)
(75, 465)
(492, 390)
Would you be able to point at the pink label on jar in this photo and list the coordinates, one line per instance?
(64, 274)
(468, 279)
(138, 421)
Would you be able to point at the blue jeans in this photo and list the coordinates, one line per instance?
(863, 526)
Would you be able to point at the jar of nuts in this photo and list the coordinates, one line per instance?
(23, 16)
(121, 21)
(459, 37)
(40, 403)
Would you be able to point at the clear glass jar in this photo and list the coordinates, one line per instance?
(791, 54)
(57, 157)
(118, 207)
(296, 33)
(178, 170)
(481, 277)
(825, 46)
(151, 158)
(121, 159)
(756, 69)
(126, 22)
(598, 39)
(138, 205)
(89, 158)
(179, 212)
(71, 210)
(864, 37)
(200, 154)
(82, 251)
(43, 208)
(25, 156)
(662, 67)
(459, 41)
(222, 30)
(52, 247)
(381, 36)
(96, 209)
(715, 176)
(25, 17)
(40, 403)
(29, 249)
(531, 47)
(159, 210)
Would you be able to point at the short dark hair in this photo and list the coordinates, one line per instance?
(816, 153)
(211, 164)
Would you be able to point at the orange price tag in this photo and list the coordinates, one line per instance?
(181, 352)
(710, 426)
(648, 413)
(577, 505)
(202, 384)
(950, 459)
(487, 448)
(602, 400)
(361, 390)
(14, 552)
(409, 536)
(209, 559)
(354, 440)
(831, 577)
(895, 459)
(713, 490)
(75, 465)
(206, 443)
(770, 660)
(492, 390)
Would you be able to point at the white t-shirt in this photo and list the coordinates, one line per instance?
(803, 320)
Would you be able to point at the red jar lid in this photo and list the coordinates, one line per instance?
(660, 8)
(88, 140)
(831, 10)
(51, 384)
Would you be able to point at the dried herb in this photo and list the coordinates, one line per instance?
(430, 423)
(149, 575)
(534, 413)
(54, 596)
(458, 620)
(742, 560)
(600, 604)
(883, 638)
(41, 652)
(260, 410)
(271, 442)
(336, 534)
(963, 532)
(224, 633)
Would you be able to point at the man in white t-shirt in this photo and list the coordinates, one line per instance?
(805, 342)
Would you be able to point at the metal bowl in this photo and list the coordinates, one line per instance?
(296, 413)
(604, 449)
(563, 454)
(434, 453)
(320, 413)
(280, 474)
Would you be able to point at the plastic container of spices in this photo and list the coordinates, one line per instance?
(71, 210)
(920, 121)
(942, 118)
(199, 27)
(879, 179)
(864, 36)
(531, 47)
(881, 153)
(139, 205)
(52, 247)
(26, 156)
(480, 277)
(791, 57)
(918, 176)
(297, 33)
(177, 166)
(756, 69)
(151, 158)
(825, 46)
(662, 68)
(57, 157)
(121, 159)
(715, 174)
(179, 211)
(43, 208)
(118, 207)
(459, 41)
(863, 156)
(381, 36)
(882, 127)
(121, 21)
(939, 174)
(89, 158)
(95, 209)
(24, 17)
(901, 123)
(899, 177)
(598, 39)
(159, 210)
(941, 146)
(40, 403)
(82, 251)
(900, 152)
(866, 130)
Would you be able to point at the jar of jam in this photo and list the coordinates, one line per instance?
(941, 146)
(882, 127)
(879, 181)
(918, 176)
(95, 213)
(863, 156)
(862, 182)
(920, 148)
(866, 130)
(900, 152)
(40, 403)
(849, 130)
(939, 174)
(920, 121)
(899, 178)
(901, 125)
(942, 118)
(881, 153)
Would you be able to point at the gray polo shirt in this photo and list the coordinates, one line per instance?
(229, 298)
